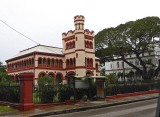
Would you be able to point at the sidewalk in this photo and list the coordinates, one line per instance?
(81, 106)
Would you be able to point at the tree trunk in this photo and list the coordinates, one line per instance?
(145, 75)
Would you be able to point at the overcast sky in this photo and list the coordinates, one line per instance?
(45, 20)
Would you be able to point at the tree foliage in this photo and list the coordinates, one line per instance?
(45, 80)
(4, 78)
(132, 38)
(111, 80)
(3, 73)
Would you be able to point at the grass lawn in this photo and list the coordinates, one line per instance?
(5, 109)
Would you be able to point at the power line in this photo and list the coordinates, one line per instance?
(19, 32)
(29, 38)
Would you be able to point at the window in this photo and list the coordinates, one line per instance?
(96, 66)
(131, 62)
(123, 64)
(136, 62)
(67, 63)
(117, 64)
(111, 65)
(48, 62)
(40, 61)
(52, 62)
(149, 61)
(44, 61)
(74, 62)
(60, 64)
(130, 55)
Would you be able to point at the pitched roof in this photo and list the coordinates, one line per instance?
(40, 48)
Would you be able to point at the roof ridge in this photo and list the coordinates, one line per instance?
(39, 45)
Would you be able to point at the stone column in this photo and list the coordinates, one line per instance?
(26, 91)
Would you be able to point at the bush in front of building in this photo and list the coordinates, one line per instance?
(65, 92)
(45, 91)
(131, 88)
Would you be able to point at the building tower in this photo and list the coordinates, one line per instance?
(78, 48)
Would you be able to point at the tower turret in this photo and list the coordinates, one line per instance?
(78, 48)
(79, 22)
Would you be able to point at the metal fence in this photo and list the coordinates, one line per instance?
(120, 88)
(60, 93)
(10, 93)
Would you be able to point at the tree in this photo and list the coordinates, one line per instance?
(111, 80)
(3, 73)
(44, 81)
(46, 89)
(132, 38)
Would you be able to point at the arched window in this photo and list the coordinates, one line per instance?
(96, 66)
(32, 63)
(71, 62)
(67, 63)
(91, 45)
(22, 63)
(15, 65)
(70, 45)
(51, 74)
(74, 62)
(60, 63)
(59, 78)
(91, 62)
(19, 64)
(69, 78)
(66, 46)
(56, 63)
(48, 62)
(8, 66)
(25, 64)
(73, 44)
(87, 44)
(88, 62)
(52, 62)
(41, 74)
(44, 61)
(40, 61)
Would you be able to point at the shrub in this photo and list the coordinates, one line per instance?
(85, 97)
(72, 98)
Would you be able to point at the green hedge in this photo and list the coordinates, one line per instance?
(130, 88)
(10, 93)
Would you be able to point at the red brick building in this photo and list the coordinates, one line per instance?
(75, 58)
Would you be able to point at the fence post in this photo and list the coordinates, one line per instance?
(26, 91)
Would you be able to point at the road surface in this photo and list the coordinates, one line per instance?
(138, 109)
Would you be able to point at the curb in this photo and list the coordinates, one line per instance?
(89, 107)
(132, 94)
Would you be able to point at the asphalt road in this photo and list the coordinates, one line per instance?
(138, 109)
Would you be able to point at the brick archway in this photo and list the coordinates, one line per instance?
(89, 72)
(59, 77)
(41, 74)
(71, 73)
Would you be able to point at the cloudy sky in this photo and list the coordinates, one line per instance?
(44, 21)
